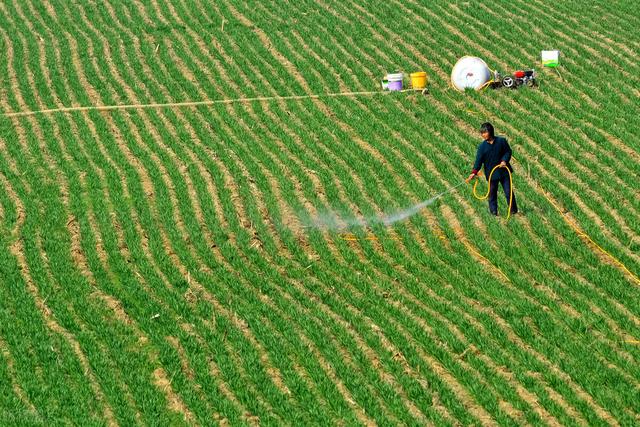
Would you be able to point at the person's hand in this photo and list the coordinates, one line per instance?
(503, 164)
(473, 175)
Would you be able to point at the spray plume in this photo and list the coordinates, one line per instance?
(330, 220)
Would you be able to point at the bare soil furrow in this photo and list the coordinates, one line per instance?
(175, 403)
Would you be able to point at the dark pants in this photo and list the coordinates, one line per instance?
(493, 195)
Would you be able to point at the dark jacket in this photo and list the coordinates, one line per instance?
(490, 156)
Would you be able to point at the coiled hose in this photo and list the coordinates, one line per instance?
(489, 188)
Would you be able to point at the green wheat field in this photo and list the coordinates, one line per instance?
(163, 258)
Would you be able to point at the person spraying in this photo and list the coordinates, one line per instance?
(494, 154)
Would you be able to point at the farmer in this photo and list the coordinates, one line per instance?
(494, 151)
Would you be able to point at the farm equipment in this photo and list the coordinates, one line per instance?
(516, 80)
(473, 73)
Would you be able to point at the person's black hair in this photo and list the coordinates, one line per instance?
(487, 127)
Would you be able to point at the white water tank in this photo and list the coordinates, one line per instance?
(470, 72)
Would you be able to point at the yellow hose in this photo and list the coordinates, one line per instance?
(489, 188)
(585, 236)
(486, 85)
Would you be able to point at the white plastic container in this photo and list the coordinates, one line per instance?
(550, 58)
(395, 81)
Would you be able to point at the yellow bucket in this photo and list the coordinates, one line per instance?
(418, 80)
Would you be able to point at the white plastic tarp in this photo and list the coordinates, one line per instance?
(470, 72)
